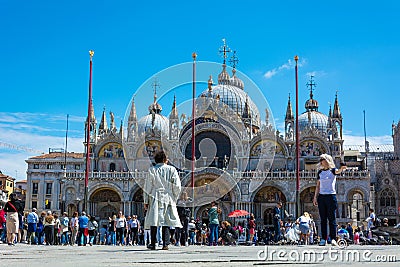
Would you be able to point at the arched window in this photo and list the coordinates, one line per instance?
(387, 198)
(268, 216)
(112, 167)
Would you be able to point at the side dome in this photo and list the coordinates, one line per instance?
(313, 119)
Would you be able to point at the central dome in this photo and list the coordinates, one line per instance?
(230, 92)
(235, 98)
(313, 119)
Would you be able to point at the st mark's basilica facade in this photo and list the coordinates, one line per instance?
(241, 160)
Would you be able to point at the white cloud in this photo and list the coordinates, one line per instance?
(290, 64)
(316, 73)
(373, 140)
(25, 135)
(270, 73)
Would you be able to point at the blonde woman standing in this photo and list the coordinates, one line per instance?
(325, 197)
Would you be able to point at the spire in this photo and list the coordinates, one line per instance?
(330, 116)
(289, 111)
(103, 123)
(174, 111)
(210, 83)
(336, 108)
(246, 112)
(132, 115)
(223, 77)
(155, 108)
(112, 122)
(121, 128)
(311, 104)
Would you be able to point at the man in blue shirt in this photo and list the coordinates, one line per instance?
(83, 229)
(32, 220)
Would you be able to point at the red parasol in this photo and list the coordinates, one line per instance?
(238, 213)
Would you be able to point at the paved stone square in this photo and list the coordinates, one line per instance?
(26, 255)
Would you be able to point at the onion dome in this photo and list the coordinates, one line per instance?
(223, 77)
(313, 119)
(235, 81)
(154, 123)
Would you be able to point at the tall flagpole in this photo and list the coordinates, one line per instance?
(85, 201)
(296, 58)
(194, 55)
(65, 167)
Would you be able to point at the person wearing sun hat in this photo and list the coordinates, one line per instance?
(325, 197)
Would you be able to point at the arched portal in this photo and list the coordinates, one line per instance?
(306, 202)
(357, 207)
(137, 204)
(264, 202)
(212, 149)
(104, 203)
(71, 208)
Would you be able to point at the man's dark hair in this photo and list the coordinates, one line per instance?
(371, 210)
(160, 157)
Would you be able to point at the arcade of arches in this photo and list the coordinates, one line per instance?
(105, 202)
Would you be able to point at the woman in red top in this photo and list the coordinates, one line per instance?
(252, 228)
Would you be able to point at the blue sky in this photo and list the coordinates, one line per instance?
(44, 62)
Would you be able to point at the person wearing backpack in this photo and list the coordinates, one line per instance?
(92, 227)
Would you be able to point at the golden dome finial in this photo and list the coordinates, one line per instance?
(91, 53)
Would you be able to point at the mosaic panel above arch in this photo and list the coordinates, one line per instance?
(269, 194)
(111, 150)
(266, 147)
(311, 148)
(105, 195)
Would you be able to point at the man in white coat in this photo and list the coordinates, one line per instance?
(160, 193)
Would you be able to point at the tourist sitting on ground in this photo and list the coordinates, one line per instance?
(304, 226)
(343, 233)
(357, 236)
(228, 235)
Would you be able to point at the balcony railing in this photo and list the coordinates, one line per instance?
(257, 175)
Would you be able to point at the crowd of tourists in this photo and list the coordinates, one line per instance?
(168, 219)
